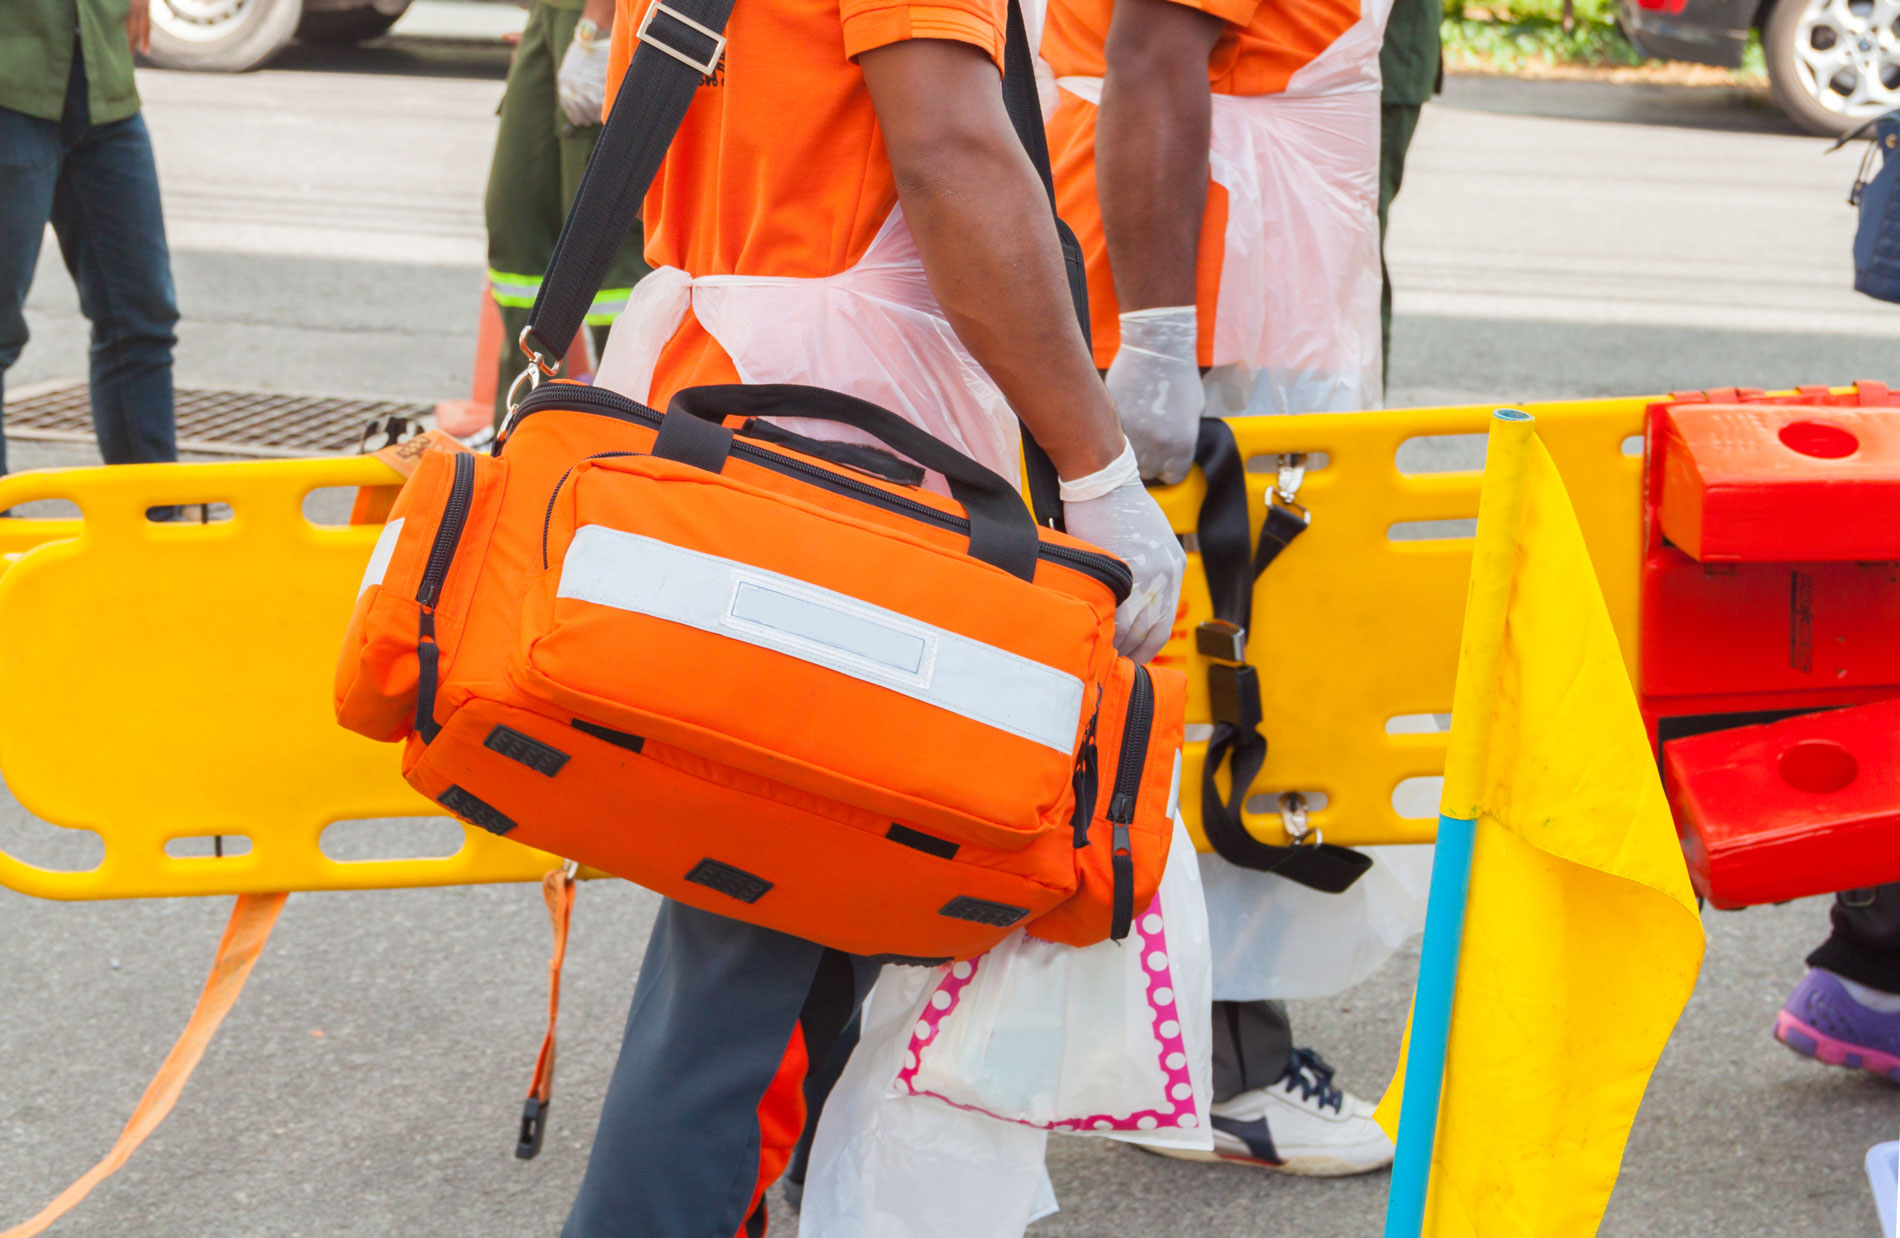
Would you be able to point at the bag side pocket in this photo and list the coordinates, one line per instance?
(415, 592)
(1127, 780)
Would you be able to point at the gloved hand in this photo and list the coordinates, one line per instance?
(583, 78)
(1156, 387)
(1113, 510)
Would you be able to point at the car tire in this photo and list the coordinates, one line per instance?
(221, 36)
(344, 26)
(1791, 82)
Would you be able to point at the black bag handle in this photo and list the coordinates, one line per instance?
(681, 43)
(1002, 532)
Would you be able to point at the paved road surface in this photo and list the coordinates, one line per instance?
(1553, 240)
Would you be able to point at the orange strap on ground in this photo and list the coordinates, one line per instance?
(558, 889)
(244, 937)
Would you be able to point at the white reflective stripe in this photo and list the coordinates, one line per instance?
(992, 686)
(379, 557)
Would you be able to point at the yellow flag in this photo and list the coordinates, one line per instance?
(1581, 939)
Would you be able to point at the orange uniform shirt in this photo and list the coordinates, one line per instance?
(779, 168)
(1265, 43)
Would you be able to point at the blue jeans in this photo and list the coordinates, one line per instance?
(98, 186)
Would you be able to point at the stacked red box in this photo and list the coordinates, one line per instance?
(1774, 484)
(1809, 805)
(1771, 590)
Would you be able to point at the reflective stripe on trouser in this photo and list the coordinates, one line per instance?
(537, 166)
(703, 1106)
(513, 291)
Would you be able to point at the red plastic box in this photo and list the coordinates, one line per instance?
(1809, 805)
(1763, 483)
(1711, 628)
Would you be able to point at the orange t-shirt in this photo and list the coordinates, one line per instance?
(1265, 43)
(779, 168)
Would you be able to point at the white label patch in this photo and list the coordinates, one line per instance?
(826, 628)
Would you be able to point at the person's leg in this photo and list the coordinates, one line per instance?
(1253, 1043)
(1397, 123)
(1275, 1105)
(523, 205)
(1865, 944)
(702, 1109)
(1846, 1010)
(111, 229)
(29, 168)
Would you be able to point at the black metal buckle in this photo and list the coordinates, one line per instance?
(1233, 696)
(1221, 640)
(534, 1123)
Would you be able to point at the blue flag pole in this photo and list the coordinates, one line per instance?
(1473, 712)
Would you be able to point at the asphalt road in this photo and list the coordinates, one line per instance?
(1552, 240)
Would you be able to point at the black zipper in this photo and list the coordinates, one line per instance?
(547, 519)
(448, 535)
(1137, 727)
(1085, 780)
(1107, 569)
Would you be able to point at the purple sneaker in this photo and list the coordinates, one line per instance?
(1822, 1020)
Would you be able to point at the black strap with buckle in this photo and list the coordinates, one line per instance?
(1233, 564)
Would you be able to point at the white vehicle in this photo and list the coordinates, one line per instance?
(230, 36)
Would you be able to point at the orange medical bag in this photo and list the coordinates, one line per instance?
(771, 677)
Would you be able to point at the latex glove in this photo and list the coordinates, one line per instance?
(583, 77)
(1156, 386)
(1113, 510)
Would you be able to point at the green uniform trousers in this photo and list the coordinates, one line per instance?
(539, 158)
(1397, 123)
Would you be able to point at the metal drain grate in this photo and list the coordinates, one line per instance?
(225, 423)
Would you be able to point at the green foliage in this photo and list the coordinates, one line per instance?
(1532, 31)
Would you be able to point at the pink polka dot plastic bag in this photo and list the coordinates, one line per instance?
(1111, 1040)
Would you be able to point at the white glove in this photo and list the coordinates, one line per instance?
(1156, 387)
(1113, 510)
(583, 77)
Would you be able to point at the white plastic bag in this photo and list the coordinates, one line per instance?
(885, 1166)
(1275, 938)
(1112, 1040)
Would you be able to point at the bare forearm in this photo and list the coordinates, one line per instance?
(988, 242)
(600, 12)
(1151, 149)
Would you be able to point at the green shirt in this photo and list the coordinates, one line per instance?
(1409, 58)
(36, 57)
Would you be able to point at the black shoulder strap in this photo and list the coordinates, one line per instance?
(1233, 685)
(681, 43)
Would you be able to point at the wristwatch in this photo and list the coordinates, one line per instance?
(585, 31)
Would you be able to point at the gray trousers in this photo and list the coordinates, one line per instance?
(677, 1151)
(1253, 1043)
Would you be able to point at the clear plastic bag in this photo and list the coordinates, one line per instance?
(1275, 938)
(1110, 1040)
(885, 1166)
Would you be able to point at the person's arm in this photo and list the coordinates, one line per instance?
(988, 240)
(138, 27)
(1151, 149)
(582, 80)
(1151, 161)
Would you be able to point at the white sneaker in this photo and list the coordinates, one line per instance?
(1300, 1125)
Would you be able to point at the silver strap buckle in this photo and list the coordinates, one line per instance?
(709, 65)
